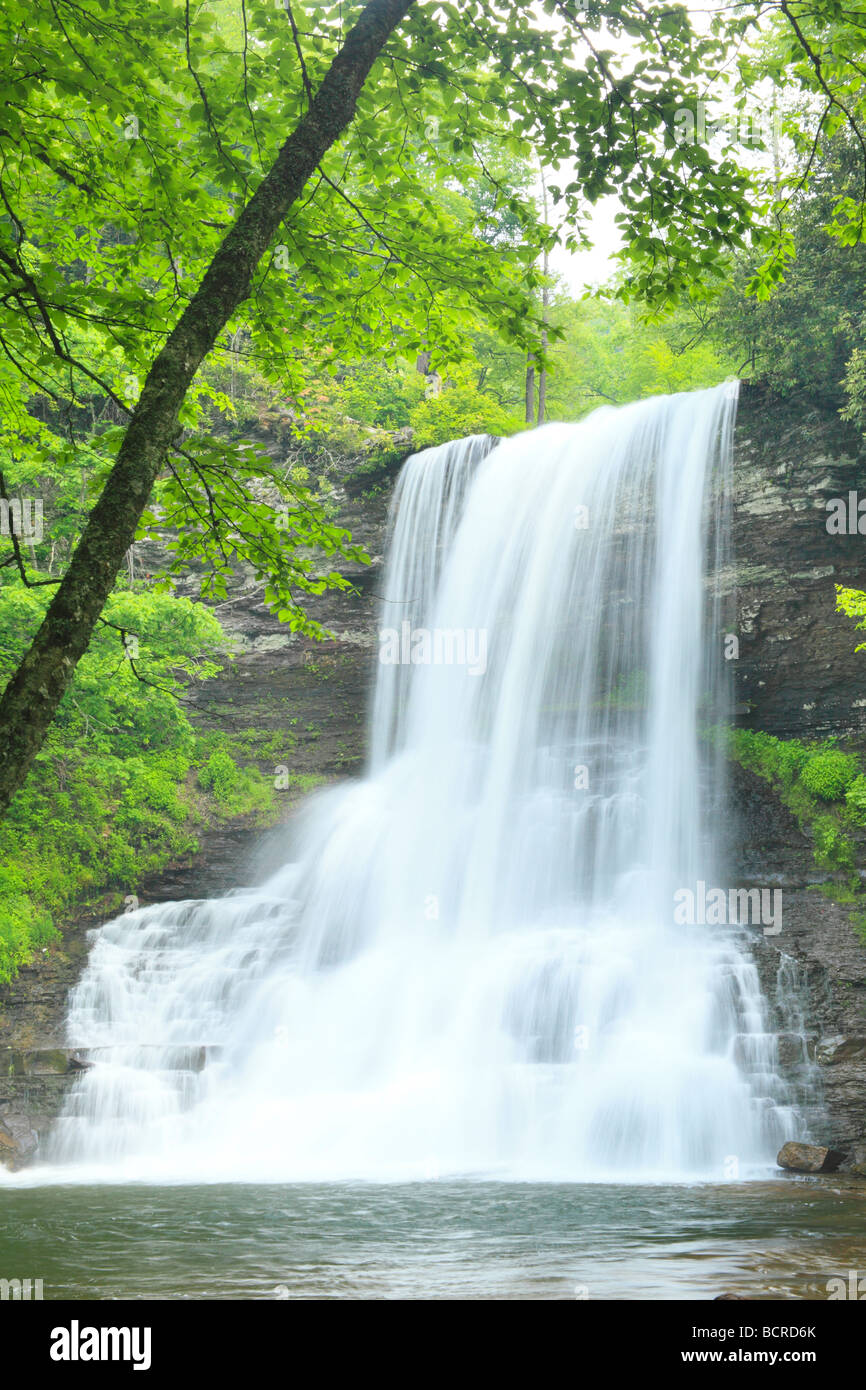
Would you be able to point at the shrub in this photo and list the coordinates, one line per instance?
(237, 790)
(855, 798)
(779, 760)
(23, 926)
(107, 799)
(807, 781)
(459, 411)
(220, 775)
(829, 774)
(833, 849)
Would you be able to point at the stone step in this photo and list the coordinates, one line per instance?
(46, 1061)
(59, 1061)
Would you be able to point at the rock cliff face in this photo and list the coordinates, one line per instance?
(813, 972)
(797, 675)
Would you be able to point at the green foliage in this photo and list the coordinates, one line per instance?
(124, 696)
(813, 55)
(133, 133)
(611, 354)
(823, 771)
(823, 788)
(854, 384)
(84, 821)
(25, 926)
(855, 798)
(111, 796)
(236, 789)
(459, 411)
(377, 394)
(806, 338)
(829, 774)
(379, 468)
(602, 353)
(833, 848)
(261, 514)
(852, 602)
(88, 822)
(776, 760)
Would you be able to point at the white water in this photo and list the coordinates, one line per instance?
(471, 963)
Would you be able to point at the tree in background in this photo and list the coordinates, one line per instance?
(792, 311)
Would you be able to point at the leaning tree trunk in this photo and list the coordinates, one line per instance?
(30, 700)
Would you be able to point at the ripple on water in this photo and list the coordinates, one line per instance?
(775, 1239)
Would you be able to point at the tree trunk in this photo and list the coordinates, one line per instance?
(542, 380)
(530, 391)
(31, 698)
(545, 312)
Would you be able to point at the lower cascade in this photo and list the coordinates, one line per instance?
(472, 964)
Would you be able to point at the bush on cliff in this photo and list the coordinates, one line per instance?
(822, 787)
(113, 794)
(828, 775)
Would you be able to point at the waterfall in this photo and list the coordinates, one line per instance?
(471, 963)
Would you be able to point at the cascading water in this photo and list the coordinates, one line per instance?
(472, 965)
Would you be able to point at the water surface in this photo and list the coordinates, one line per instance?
(438, 1240)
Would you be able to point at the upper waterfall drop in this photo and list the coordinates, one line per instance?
(472, 963)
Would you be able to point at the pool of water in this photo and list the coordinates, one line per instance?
(437, 1240)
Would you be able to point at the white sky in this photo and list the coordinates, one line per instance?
(588, 269)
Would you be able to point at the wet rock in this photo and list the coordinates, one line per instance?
(36, 1062)
(831, 1051)
(819, 940)
(18, 1141)
(857, 1164)
(808, 1158)
(798, 672)
(826, 1047)
(790, 1050)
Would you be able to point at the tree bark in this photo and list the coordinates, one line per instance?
(545, 310)
(529, 402)
(30, 700)
(542, 375)
(542, 382)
